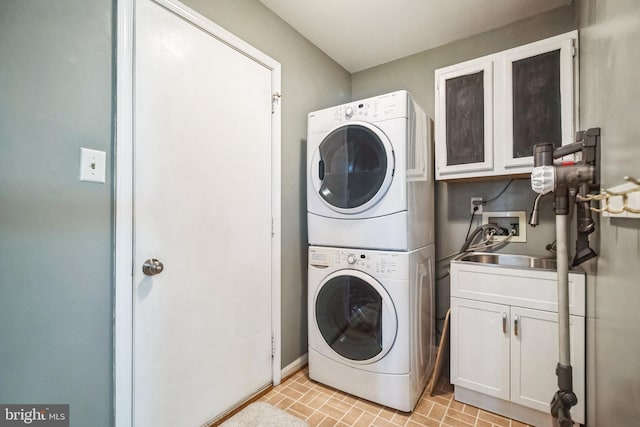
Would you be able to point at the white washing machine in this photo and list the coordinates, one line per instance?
(370, 175)
(372, 322)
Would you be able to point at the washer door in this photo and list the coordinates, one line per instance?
(355, 316)
(353, 167)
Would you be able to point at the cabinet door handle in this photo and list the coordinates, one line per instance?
(515, 325)
(504, 323)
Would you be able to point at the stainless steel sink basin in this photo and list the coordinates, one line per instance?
(508, 260)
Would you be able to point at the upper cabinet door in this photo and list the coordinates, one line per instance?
(491, 111)
(538, 98)
(464, 118)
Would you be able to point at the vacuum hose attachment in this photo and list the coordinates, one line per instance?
(586, 226)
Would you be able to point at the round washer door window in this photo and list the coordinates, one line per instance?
(355, 316)
(353, 167)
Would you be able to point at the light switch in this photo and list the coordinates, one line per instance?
(92, 165)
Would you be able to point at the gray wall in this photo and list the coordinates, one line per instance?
(310, 81)
(610, 98)
(416, 74)
(55, 232)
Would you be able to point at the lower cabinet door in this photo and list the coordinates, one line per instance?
(480, 346)
(534, 355)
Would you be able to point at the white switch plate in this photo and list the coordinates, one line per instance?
(92, 165)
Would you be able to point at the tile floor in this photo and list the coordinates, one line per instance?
(326, 407)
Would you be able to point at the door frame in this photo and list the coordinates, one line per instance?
(123, 186)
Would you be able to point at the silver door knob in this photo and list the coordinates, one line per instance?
(152, 267)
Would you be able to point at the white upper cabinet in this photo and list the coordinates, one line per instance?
(492, 110)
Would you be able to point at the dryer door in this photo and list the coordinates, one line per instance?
(353, 167)
(355, 316)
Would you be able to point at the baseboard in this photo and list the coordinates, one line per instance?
(295, 366)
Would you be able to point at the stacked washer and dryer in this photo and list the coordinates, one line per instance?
(370, 220)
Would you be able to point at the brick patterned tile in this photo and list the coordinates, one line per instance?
(365, 420)
(323, 391)
(351, 400)
(387, 413)
(453, 422)
(461, 416)
(328, 422)
(324, 406)
(458, 406)
(401, 418)
(318, 401)
(470, 410)
(494, 419)
(368, 406)
(331, 411)
(289, 392)
(295, 413)
(381, 422)
(273, 398)
(304, 410)
(298, 387)
(340, 395)
(437, 412)
(284, 403)
(339, 404)
(316, 419)
(304, 380)
(420, 420)
(441, 399)
(308, 396)
(423, 407)
(352, 415)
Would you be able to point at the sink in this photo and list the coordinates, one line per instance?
(508, 260)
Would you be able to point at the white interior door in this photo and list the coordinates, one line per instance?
(203, 207)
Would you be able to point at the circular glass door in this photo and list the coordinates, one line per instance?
(354, 165)
(355, 316)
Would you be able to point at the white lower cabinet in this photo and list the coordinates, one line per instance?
(504, 356)
(479, 347)
(534, 356)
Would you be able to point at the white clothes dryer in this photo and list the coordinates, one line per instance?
(370, 175)
(372, 322)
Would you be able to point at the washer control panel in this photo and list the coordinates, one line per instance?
(373, 262)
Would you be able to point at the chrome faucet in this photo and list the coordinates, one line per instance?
(533, 221)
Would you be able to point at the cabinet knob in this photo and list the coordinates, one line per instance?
(516, 319)
(504, 323)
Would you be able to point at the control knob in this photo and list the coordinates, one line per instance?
(348, 111)
(351, 259)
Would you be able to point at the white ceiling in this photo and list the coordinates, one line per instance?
(359, 34)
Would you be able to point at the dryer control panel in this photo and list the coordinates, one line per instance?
(376, 263)
(384, 107)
